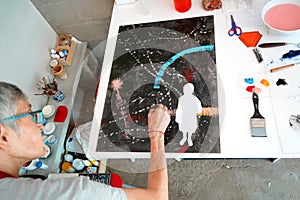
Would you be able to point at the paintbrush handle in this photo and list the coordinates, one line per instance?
(272, 44)
(255, 103)
(281, 68)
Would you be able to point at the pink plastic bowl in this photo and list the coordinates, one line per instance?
(282, 16)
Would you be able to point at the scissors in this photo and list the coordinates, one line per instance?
(235, 30)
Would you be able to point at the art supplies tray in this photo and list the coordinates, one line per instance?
(91, 166)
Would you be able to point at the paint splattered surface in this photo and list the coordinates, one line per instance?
(141, 51)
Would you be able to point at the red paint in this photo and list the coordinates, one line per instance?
(250, 88)
(188, 78)
(130, 118)
(285, 17)
(188, 73)
(183, 149)
(182, 5)
(96, 91)
(138, 119)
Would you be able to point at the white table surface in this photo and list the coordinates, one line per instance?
(234, 63)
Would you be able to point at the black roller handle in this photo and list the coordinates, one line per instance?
(272, 44)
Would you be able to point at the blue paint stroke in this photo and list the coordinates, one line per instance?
(175, 57)
(291, 54)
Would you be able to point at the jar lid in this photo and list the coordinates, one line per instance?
(38, 164)
(51, 139)
(53, 63)
(48, 111)
(49, 128)
(68, 158)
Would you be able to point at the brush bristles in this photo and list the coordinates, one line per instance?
(258, 127)
(257, 123)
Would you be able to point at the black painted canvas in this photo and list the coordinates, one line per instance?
(152, 62)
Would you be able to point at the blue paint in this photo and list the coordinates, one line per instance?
(291, 54)
(249, 80)
(175, 57)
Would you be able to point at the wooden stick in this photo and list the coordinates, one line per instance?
(282, 67)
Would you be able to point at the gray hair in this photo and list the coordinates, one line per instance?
(10, 95)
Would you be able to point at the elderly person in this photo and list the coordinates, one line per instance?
(21, 141)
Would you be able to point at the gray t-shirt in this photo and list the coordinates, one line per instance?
(80, 188)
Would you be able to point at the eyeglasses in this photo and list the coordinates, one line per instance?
(37, 117)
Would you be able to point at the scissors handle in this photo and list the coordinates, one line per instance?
(235, 30)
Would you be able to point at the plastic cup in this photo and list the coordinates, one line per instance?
(58, 96)
(182, 5)
(60, 72)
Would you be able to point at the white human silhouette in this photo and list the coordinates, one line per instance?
(186, 113)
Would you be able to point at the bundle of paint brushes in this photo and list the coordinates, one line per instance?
(47, 87)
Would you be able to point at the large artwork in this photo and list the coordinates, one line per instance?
(155, 63)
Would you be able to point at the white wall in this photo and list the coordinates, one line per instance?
(25, 43)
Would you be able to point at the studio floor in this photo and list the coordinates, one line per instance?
(233, 179)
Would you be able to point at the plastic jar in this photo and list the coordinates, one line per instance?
(78, 164)
(67, 167)
(68, 157)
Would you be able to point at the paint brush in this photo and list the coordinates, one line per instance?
(258, 55)
(283, 67)
(257, 121)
